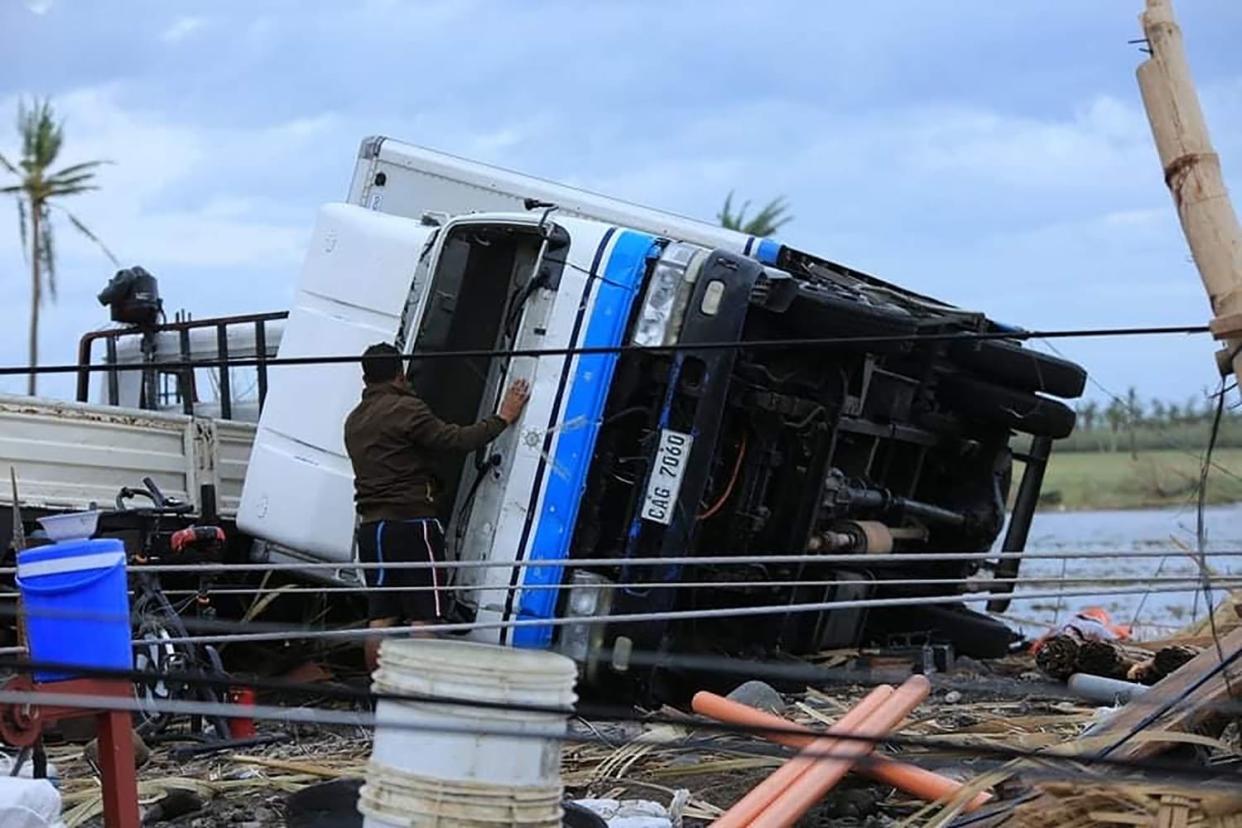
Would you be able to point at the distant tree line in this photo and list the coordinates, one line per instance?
(1133, 424)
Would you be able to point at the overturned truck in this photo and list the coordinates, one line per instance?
(696, 393)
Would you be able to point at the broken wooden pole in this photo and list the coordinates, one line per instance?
(1193, 174)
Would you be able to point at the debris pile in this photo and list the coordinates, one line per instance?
(1076, 804)
(239, 790)
(1097, 660)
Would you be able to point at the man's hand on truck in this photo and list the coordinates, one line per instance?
(515, 399)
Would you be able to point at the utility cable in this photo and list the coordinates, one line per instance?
(682, 560)
(758, 344)
(1190, 582)
(229, 631)
(532, 730)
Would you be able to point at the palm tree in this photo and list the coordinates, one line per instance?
(773, 216)
(1089, 411)
(37, 192)
(1115, 416)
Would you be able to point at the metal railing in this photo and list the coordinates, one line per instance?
(186, 391)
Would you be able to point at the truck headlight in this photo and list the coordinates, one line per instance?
(663, 301)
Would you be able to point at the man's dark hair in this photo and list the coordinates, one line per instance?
(381, 363)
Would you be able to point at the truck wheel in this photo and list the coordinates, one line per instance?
(1018, 410)
(1017, 367)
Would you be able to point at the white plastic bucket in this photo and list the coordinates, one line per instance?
(432, 766)
(393, 798)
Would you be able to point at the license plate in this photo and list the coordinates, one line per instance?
(665, 484)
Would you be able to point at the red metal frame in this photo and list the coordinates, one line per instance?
(21, 725)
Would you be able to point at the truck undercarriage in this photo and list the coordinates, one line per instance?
(895, 442)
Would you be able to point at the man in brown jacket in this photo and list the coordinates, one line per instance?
(392, 438)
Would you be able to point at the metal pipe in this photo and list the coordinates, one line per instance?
(226, 388)
(114, 393)
(1023, 513)
(148, 392)
(882, 501)
(356, 719)
(84, 359)
(260, 350)
(186, 375)
(285, 633)
(1104, 690)
(85, 343)
(928, 511)
(747, 560)
(1190, 582)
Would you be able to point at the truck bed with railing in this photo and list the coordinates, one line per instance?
(70, 455)
(189, 428)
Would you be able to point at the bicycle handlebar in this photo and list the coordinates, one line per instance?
(152, 492)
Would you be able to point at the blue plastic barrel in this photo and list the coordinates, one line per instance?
(76, 602)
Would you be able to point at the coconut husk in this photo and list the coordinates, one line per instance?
(1173, 658)
(1058, 658)
(1108, 659)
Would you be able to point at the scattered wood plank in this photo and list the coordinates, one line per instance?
(1177, 703)
(294, 767)
(1174, 812)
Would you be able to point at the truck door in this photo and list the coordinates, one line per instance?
(526, 507)
(359, 277)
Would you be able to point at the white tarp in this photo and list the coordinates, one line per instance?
(29, 803)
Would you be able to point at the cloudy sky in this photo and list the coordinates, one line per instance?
(994, 154)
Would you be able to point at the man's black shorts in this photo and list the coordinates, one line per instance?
(422, 595)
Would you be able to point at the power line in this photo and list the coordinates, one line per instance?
(1190, 581)
(752, 559)
(1170, 442)
(224, 628)
(783, 672)
(758, 344)
(320, 716)
(1205, 572)
(285, 633)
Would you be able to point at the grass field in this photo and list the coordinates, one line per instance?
(1117, 480)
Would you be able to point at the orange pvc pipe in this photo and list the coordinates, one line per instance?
(916, 781)
(820, 775)
(767, 791)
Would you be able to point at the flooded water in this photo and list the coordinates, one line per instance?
(1104, 538)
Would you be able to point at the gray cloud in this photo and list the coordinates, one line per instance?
(993, 154)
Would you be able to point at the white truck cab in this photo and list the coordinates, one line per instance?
(479, 282)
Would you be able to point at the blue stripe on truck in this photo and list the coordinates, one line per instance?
(622, 277)
(550, 434)
(768, 251)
